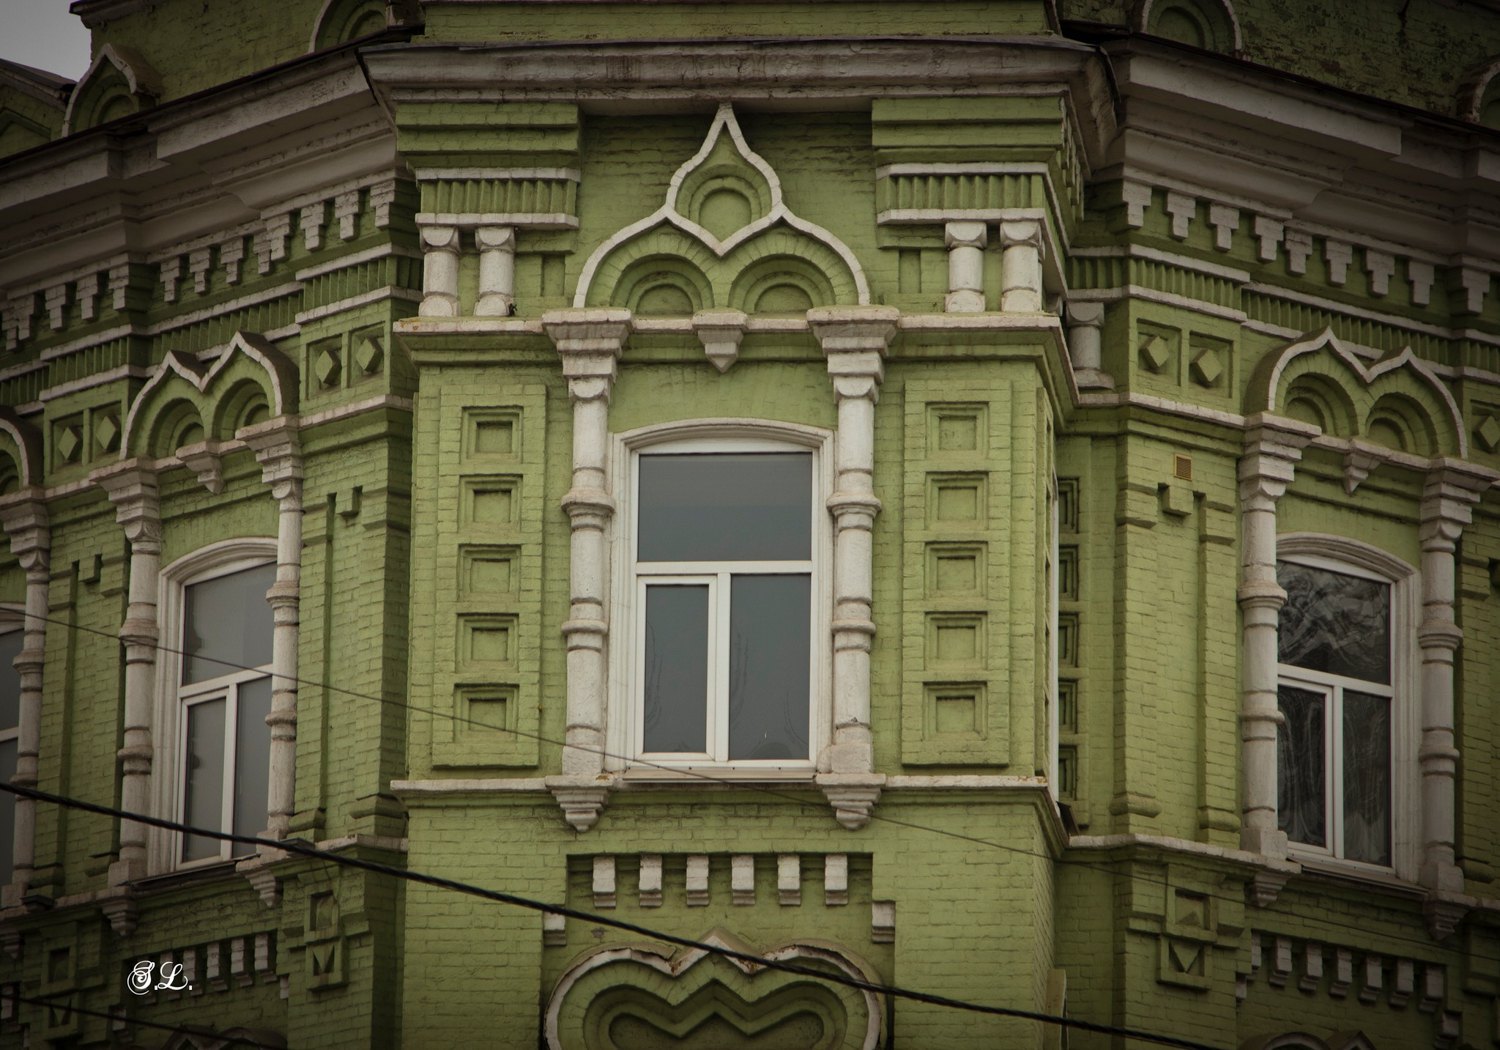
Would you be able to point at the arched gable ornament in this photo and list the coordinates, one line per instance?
(1306, 1041)
(117, 77)
(644, 987)
(1396, 409)
(724, 217)
(1479, 95)
(1215, 20)
(213, 399)
(20, 452)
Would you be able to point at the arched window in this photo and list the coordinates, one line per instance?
(1344, 663)
(213, 743)
(723, 600)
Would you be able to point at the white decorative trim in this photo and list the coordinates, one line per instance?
(724, 122)
(343, 262)
(1143, 19)
(433, 174)
(374, 295)
(89, 382)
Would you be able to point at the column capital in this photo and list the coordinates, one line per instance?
(438, 238)
(1019, 232)
(1448, 497)
(965, 234)
(23, 517)
(854, 340)
(278, 450)
(494, 238)
(590, 341)
(131, 486)
(1273, 445)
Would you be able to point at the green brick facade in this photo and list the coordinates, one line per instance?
(1086, 312)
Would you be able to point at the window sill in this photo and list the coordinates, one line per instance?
(704, 775)
(1330, 870)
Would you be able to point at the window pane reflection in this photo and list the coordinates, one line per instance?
(676, 714)
(203, 798)
(752, 506)
(252, 761)
(227, 619)
(1300, 776)
(1335, 623)
(8, 751)
(768, 666)
(1367, 777)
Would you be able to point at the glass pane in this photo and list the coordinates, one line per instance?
(10, 679)
(1367, 777)
(1300, 761)
(754, 506)
(227, 619)
(203, 782)
(1335, 623)
(252, 762)
(676, 669)
(768, 666)
(7, 810)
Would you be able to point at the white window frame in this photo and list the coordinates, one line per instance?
(172, 698)
(626, 708)
(1353, 558)
(12, 621)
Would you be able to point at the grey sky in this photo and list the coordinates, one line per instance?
(42, 34)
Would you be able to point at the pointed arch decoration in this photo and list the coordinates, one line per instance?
(645, 996)
(185, 403)
(1398, 402)
(20, 452)
(1209, 24)
(339, 21)
(118, 83)
(724, 214)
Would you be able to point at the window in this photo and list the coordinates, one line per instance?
(724, 541)
(217, 695)
(1340, 666)
(11, 637)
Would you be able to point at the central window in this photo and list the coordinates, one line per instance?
(1336, 693)
(723, 567)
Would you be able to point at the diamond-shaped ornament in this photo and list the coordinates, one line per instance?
(1488, 433)
(1155, 353)
(1206, 368)
(69, 442)
(106, 432)
(326, 367)
(368, 355)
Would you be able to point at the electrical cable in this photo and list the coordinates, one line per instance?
(1101, 867)
(219, 1038)
(304, 849)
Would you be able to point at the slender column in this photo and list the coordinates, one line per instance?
(497, 271)
(439, 272)
(590, 342)
(854, 340)
(1272, 448)
(1021, 267)
(1085, 328)
(1447, 502)
(131, 486)
(965, 241)
(24, 518)
(280, 456)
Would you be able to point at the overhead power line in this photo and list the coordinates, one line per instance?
(304, 849)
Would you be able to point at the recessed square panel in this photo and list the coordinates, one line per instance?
(955, 709)
(955, 638)
(956, 428)
(955, 569)
(956, 499)
(488, 570)
(492, 432)
(485, 639)
(491, 501)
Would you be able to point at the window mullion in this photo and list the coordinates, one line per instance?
(1335, 766)
(226, 801)
(719, 637)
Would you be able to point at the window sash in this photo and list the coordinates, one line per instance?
(1336, 760)
(230, 793)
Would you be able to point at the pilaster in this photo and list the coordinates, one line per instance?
(1272, 448)
(132, 487)
(23, 516)
(590, 342)
(854, 340)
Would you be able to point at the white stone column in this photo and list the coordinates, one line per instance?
(590, 342)
(965, 242)
(1447, 506)
(497, 271)
(854, 340)
(131, 487)
(279, 453)
(1021, 267)
(1085, 332)
(1272, 448)
(24, 518)
(439, 271)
